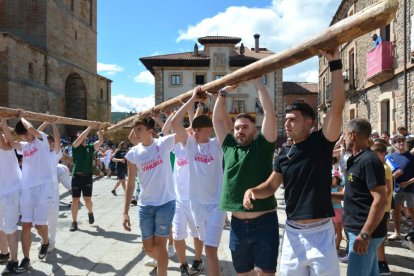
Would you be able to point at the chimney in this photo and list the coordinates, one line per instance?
(196, 49)
(256, 42)
(242, 49)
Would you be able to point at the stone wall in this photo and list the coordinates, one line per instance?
(369, 100)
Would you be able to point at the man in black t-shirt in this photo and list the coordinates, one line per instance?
(365, 200)
(305, 170)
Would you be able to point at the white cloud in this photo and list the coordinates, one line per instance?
(283, 24)
(145, 77)
(109, 69)
(310, 75)
(122, 103)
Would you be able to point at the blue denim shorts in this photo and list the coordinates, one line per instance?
(254, 243)
(156, 220)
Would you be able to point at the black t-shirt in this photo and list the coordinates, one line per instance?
(120, 154)
(307, 177)
(365, 171)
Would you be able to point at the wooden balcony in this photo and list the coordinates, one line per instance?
(379, 63)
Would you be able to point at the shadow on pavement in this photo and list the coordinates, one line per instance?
(119, 236)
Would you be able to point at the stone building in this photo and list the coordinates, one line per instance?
(379, 80)
(180, 72)
(48, 59)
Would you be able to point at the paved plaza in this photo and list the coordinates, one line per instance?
(105, 248)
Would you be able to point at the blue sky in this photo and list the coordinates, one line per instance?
(130, 29)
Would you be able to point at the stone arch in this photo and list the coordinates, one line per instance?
(75, 100)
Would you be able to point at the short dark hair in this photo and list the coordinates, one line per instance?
(201, 121)
(379, 147)
(20, 129)
(398, 137)
(360, 126)
(305, 109)
(246, 116)
(401, 128)
(147, 121)
(380, 140)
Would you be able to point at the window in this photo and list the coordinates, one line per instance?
(216, 77)
(385, 115)
(30, 70)
(351, 114)
(101, 91)
(72, 5)
(352, 69)
(76, 35)
(264, 80)
(299, 101)
(199, 79)
(239, 106)
(175, 79)
(90, 12)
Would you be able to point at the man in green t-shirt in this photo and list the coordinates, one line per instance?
(82, 154)
(254, 236)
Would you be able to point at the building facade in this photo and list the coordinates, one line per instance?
(379, 79)
(48, 59)
(181, 72)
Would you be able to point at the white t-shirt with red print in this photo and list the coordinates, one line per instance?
(206, 170)
(38, 164)
(181, 173)
(154, 171)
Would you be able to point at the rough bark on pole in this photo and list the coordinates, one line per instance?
(33, 116)
(365, 21)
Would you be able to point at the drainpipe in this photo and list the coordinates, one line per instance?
(405, 68)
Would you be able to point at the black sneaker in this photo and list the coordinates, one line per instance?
(73, 227)
(134, 202)
(113, 192)
(24, 265)
(184, 270)
(91, 218)
(11, 267)
(4, 258)
(197, 267)
(383, 268)
(43, 251)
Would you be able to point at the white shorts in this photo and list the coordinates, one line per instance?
(209, 221)
(9, 212)
(182, 218)
(309, 251)
(35, 203)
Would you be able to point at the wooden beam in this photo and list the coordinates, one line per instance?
(365, 21)
(33, 116)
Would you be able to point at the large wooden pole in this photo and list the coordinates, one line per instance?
(365, 21)
(33, 116)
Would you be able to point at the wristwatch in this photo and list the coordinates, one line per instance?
(364, 235)
(222, 93)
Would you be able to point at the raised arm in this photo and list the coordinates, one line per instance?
(43, 126)
(29, 127)
(221, 116)
(333, 122)
(8, 135)
(82, 137)
(100, 141)
(132, 138)
(269, 126)
(177, 120)
(3, 143)
(56, 135)
(167, 129)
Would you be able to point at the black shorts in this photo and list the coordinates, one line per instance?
(82, 184)
(121, 174)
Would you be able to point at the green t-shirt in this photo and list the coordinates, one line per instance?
(246, 167)
(83, 159)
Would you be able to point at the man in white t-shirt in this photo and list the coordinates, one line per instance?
(38, 177)
(206, 177)
(10, 186)
(150, 160)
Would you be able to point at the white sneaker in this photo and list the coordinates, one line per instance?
(171, 251)
(151, 262)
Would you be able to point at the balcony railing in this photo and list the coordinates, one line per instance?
(379, 63)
